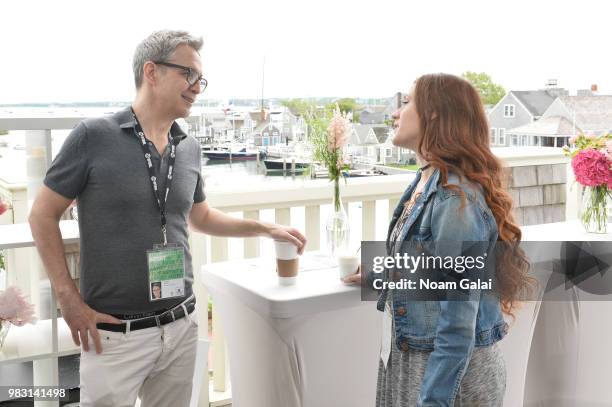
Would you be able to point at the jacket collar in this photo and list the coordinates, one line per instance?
(430, 188)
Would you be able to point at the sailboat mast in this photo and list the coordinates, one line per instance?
(263, 76)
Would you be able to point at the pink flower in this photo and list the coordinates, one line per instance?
(337, 131)
(3, 207)
(592, 168)
(14, 307)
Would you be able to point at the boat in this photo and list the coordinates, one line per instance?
(323, 173)
(280, 164)
(240, 155)
(364, 173)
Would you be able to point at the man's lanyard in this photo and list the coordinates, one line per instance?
(161, 203)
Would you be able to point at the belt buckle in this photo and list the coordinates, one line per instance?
(157, 321)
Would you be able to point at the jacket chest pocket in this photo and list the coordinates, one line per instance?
(421, 318)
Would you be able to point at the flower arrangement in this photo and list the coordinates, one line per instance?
(592, 165)
(15, 310)
(328, 137)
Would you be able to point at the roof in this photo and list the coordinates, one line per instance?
(536, 101)
(381, 133)
(257, 115)
(262, 126)
(353, 137)
(363, 133)
(592, 113)
(548, 126)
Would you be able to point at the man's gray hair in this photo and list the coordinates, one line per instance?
(160, 46)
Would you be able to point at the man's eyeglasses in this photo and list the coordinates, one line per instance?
(191, 75)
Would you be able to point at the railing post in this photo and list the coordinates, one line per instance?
(368, 220)
(313, 227)
(200, 396)
(282, 216)
(251, 245)
(38, 159)
(219, 249)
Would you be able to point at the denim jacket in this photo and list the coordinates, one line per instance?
(450, 328)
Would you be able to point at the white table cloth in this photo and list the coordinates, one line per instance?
(316, 344)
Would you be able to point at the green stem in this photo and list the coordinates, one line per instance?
(595, 212)
(337, 202)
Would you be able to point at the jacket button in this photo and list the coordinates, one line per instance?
(401, 311)
(404, 345)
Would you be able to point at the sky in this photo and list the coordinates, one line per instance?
(81, 51)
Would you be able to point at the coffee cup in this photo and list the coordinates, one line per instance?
(348, 263)
(287, 262)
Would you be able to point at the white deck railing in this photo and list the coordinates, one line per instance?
(45, 350)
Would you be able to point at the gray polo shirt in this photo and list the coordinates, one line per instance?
(101, 164)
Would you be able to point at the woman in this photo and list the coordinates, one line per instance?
(444, 353)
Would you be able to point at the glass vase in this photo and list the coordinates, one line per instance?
(593, 211)
(337, 226)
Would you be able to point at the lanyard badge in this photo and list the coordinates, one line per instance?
(165, 262)
(166, 266)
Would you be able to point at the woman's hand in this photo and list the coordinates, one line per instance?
(353, 278)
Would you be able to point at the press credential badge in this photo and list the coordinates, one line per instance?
(166, 266)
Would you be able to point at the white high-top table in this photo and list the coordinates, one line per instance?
(558, 352)
(316, 344)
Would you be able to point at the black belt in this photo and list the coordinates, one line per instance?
(164, 318)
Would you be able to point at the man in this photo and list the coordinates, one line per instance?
(137, 179)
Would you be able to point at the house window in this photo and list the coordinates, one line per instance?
(524, 140)
(501, 136)
(513, 140)
(508, 110)
(388, 152)
(493, 136)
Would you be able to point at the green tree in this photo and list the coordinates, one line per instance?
(490, 92)
(3, 132)
(346, 105)
(299, 107)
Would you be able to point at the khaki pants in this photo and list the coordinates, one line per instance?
(156, 364)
